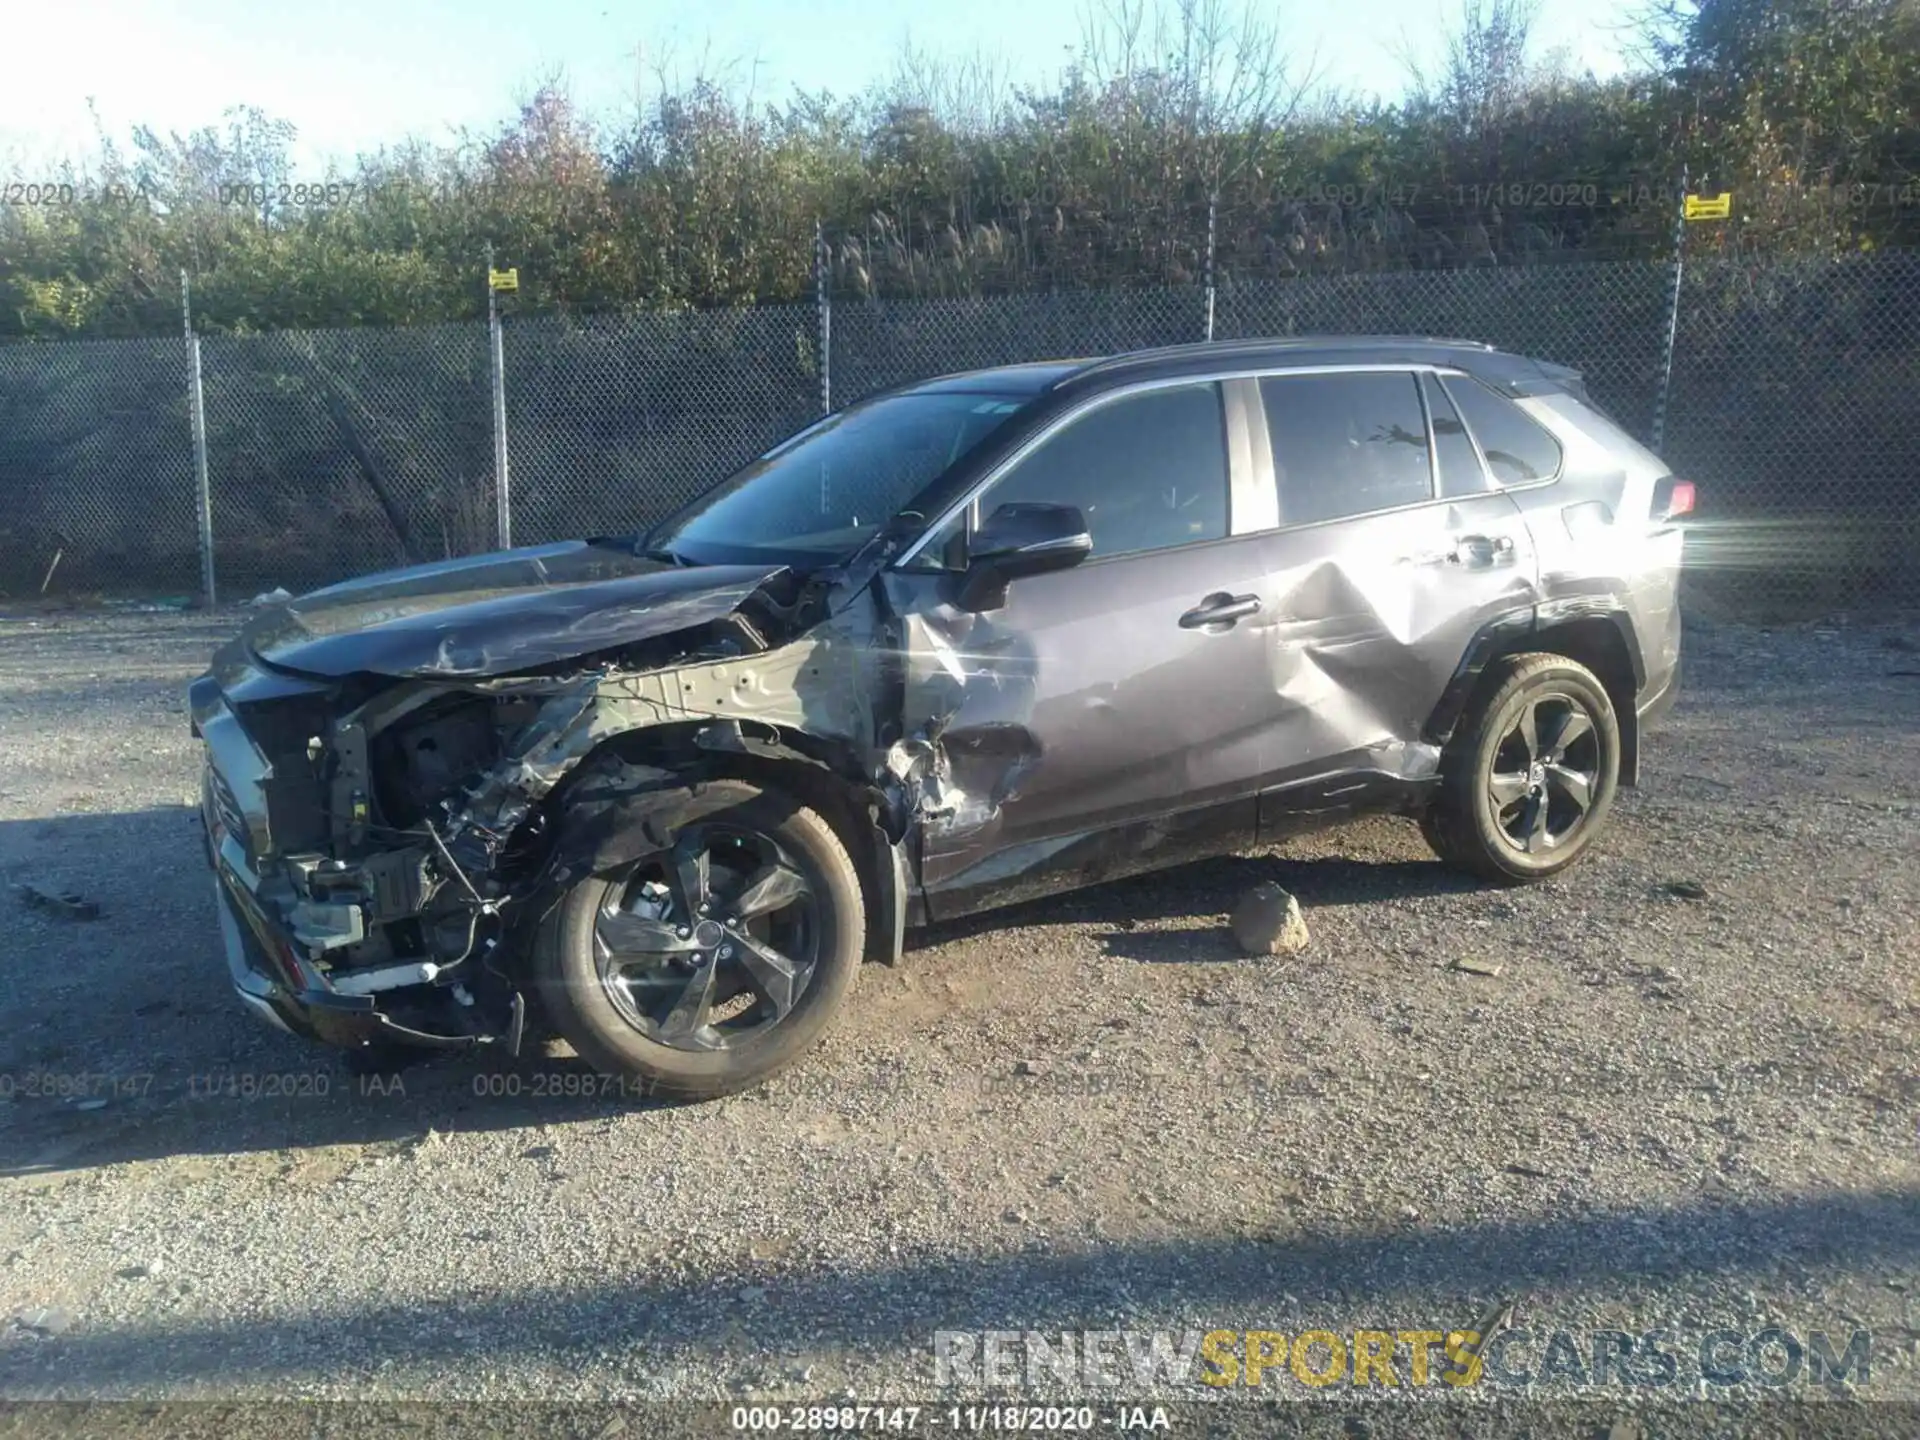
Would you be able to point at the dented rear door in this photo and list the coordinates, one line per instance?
(1385, 564)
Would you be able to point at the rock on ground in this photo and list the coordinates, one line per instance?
(1267, 921)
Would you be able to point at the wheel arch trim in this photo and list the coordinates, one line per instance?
(649, 782)
(1534, 627)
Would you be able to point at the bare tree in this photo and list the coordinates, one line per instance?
(970, 94)
(1484, 71)
(1195, 93)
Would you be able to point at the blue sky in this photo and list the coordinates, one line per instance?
(353, 73)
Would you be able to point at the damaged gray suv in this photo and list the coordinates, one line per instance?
(972, 641)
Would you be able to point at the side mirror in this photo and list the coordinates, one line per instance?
(1018, 539)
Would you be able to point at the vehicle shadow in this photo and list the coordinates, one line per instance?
(1207, 890)
(125, 1043)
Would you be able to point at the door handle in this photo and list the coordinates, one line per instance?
(1482, 552)
(1220, 609)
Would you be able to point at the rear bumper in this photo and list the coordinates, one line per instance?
(1655, 705)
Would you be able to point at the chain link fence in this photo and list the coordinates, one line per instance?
(880, 343)
(335, 452)
(613, 424)
(1796, 405)
(332, 453)
(96, 468)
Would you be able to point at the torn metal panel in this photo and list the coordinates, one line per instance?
(426, 784)
(955, 668)
(815, 684)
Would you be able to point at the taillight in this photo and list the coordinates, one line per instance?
(1672, 498)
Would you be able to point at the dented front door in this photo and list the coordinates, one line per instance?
(1115, 716)
(1085, 730)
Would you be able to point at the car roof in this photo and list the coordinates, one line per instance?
(1025, 379)
(1516, 374)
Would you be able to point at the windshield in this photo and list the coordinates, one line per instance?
(829, 489)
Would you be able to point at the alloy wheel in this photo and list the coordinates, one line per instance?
(710, 942)
(1545, 772)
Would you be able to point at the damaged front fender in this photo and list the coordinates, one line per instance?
(815, 685)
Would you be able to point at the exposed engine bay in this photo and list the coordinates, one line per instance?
(384, 839)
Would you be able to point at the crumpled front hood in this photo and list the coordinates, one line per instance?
(496, 614)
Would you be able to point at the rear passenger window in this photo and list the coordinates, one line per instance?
(1519, 451)
(1346, 444)
(1455, 460)
(1148, 471)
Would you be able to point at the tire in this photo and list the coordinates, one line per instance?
(651, 1008)
(1509, 814)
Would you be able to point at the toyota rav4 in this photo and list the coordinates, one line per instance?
(971, 641)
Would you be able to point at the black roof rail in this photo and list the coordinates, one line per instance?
(1259, 344)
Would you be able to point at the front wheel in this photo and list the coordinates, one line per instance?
(1528, 779)
(704, 968)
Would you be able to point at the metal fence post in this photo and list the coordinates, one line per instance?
(823, 305)
(1673, 313)
(197, 406)
(502, 494)
(1213, 204)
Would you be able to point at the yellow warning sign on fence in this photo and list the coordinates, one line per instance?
(504, 279)
(1709, 207)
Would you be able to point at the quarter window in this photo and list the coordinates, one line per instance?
(1346, 444)
(1147, 471)
(1519, 451)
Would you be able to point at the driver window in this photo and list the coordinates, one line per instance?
(1147, 471)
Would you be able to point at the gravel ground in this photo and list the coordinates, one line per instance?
(1086, 1112)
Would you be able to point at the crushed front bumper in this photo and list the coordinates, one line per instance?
(270, 975)
(315, 1011)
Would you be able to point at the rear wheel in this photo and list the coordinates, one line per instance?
(1529, 777)
(706, 967)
